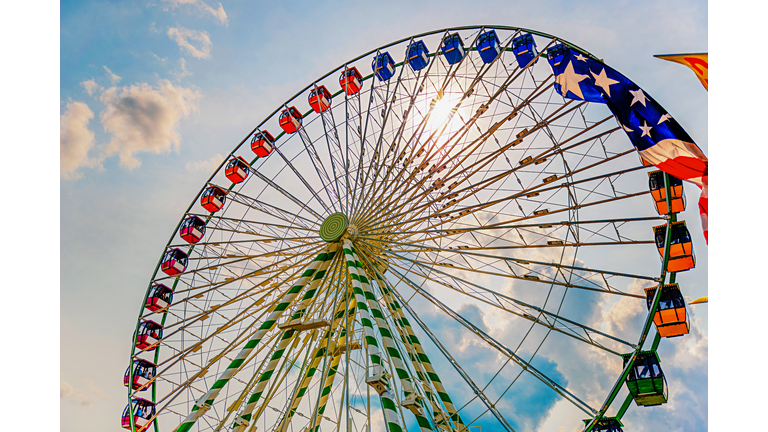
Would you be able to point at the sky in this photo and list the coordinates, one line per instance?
(152, 95)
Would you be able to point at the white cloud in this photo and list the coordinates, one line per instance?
(160, 59)
(219, 13)
(154, 29)
(182, 37)
(206, 165)
(75, 139)
(112, 77)
(84, 398)
(143, 118)
(182, 72)
(90, 86)
(65, 389)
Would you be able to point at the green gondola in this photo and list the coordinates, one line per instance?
(606, 424)
(646, 381)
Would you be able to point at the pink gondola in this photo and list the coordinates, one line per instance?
(192, 229)
(143, 373)
(174, 262)
(149, 335)
(143, 411)
(160, 297)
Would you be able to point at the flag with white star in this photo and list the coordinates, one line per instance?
(658, 138)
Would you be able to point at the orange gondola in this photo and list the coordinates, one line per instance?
(671, 317)
(351, 81)
(237, 169)
(320, 99)
(290, 120)
(213, 198)
(659, 192)
(262, 144)
(681, 256)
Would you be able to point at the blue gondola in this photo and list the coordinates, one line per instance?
(555, 55)
(453, 48)
(383, 66)
(488, 46)
(524, 48)
(418, 55)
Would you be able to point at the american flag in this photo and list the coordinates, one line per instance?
(656, 135)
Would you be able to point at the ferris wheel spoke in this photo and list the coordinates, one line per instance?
(256, 227)
(242, 259)
(276, 212)
(386, 112)
(203, 370)
(418, 129)
(562, 391)
(288, 195)
(467, 125)
(468, 172)
(445, 215)
(509, 304)
(538, 277)
(335, 152)
(466, 149)
(325, 182)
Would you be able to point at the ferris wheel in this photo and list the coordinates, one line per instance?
(335, 271)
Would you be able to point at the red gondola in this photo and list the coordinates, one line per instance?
(143, 411)
(192, 229)
(320, 99)
(237, 169)
(659, 192)
(213, 198)
(681, 248)
(174, 262)
(351, 80)
(262, 144)
(670, 318)
(290, 120)
(143, 373)
(160, 296)
(150, 334)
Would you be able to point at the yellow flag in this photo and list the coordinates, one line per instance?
(697, 62)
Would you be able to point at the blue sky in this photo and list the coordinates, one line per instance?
(209, 72)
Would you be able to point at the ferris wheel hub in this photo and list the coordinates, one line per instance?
(334, 227)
